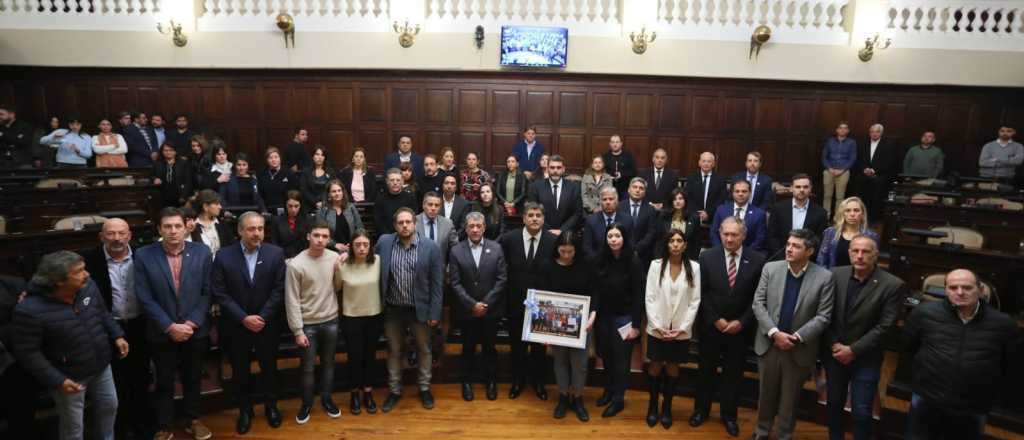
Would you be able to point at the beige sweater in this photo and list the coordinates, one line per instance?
(310, 290)
(361, 291)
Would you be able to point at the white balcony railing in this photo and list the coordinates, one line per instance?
(107, 15)
(792, 21)
(978, 25)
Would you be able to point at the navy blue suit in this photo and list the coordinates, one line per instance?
(594, 229)
(393, 161)
(645, 229)
(754, 219)
(528, 162)
(139, 149)
(764, 195)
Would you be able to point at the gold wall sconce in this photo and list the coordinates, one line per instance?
(641, 41)
(406, 34)
(286, 24)
(760, 36)
(870, 45)
(178, 36)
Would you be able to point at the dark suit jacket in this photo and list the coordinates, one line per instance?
(755, 220)
(181, 188)
(460, 207)
(594, 229)
(663, 193)
(155, 289)
(224, 233)
(239, 296)
(369, 182)
(429, 284)
(522, 275)
(717, 193)
(292, 242)
(472, 284)
(230, 193)
(869, 320)
(782, 222)
(393, 161)
(528, 162)
(886, 162)
(764, 195)
(717, 299)
(570, 205)
(519, 194)
(138, 149)
(644, 232)
(96, 265)
(692, 243)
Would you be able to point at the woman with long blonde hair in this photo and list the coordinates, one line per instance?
(851, 220)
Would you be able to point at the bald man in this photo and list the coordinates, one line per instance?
(110, 266)
(705, 189)
(960, 349)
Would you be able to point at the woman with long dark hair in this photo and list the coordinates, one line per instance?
(358, 177)
(340, 215)
(109, 148)
(674, 217)
(313, 182)
(620, 283)
(290, 227)
(361, 318)
(242, 188)
(173, 176)
(216, 169)
(511, 186)
(209, 229)
(672, 299)
(494, 214)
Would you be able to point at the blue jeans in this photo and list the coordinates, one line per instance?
(861, 378)
(323, 341)
(929, 420)
(102, 396)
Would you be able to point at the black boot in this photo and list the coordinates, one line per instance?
(653, 385)
(354, 405)
(606, 398)
(669, 390)
(562, 406)
(580, 409)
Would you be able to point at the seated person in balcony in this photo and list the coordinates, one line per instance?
(74, 148)
(109, 147)
(174, 177)
(1001, 157)
(924, 159)
(242, 189)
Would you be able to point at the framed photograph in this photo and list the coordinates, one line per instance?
(556, 318)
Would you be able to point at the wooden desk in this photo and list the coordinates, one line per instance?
(1003, 230)
(29, 177)
(37, 209)
(20, 253)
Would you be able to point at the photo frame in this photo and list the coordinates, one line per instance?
(556, 318)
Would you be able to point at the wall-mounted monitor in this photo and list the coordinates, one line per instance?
(533, 46)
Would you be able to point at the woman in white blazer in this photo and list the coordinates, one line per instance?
(672, 300)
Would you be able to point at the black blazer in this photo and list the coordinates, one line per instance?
(594, 230)
(312, 193)
(873, 316)
(694, 191)
(570, 206)
(717, 300)
(239, 296)
(780, 222)
(292, 242)
(661, 194)
(460, 207)
(644, 232)
(692, 243)
(175, 193)
(518, 197)
(138, 149)
(521, 275)
(224, 233)
(888, 160)
(274, 188)
(96, 265)
(369, 183)
(472, 283)
(764, 195)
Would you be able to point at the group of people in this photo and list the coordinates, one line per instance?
(781, 274)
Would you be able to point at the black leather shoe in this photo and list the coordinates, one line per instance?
(515, 390)
(330, 408)
(467, 391)
(428, 399)
(492, 390)
(354, 405)
(542, 393)
(613, 408)
(698, 419)
(652, 412)
(303, 415)
(562, 406)
(390, 402)
(273, 415)
(606, 398)
(580, 409)
(732, 428)
(244, 422)
(369, 403)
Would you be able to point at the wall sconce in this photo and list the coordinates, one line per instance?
(478, 37)
(760, 36)
(286, 24)
(406, 34)
(179, 37)
(642, 40)
(870, 44)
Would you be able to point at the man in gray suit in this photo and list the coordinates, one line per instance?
(411, 277)
(430, 224)
(866, 307)
(478, 275)
(793, 305)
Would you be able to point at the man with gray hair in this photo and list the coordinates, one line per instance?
(63, 334)
(597, 223)
(646, 227)
(878, 162)
(390, 201)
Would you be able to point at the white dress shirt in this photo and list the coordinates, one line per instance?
(874, 146)
(671, 304)
(526, 242)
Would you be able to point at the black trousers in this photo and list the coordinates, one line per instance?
(482, 332)
(615, 354)
(171, 359)
(729, 352)
(362, 334)
(242, 347)
(529, 359)
(132, 377)
(19, 402)
(873, 191)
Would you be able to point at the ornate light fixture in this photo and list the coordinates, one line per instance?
(406, 34)
(760, 36)
(286, 24)
(642, 40)
(870, 45)
(178, 36)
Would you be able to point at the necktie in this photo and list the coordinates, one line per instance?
(738, 212)
(430, 225)
(732, 269)
(529, 254)
(657, 180)
(554, 193)
(705, 191)
(608, 222)
(752, 179)
(635, 208)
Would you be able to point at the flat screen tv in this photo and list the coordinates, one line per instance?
(533, 46)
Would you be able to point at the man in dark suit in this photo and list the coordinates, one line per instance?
(620, 164)
(878, 162)
(729, 274)
(526, 250)
(453, 206)
(761, 193)
(476, 268)
(411, 283)
(562, 201)
(705, 189)
(405, 154)
(661, 180)
(248, 283)
(867, 303)
(799, 213)
(753, 217)
(181, 136)
(141, 140)
(110, 266)
(646, 224)
(596, 224)
(172, 282)
(793, 306)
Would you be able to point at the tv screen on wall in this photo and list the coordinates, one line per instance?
(533, 46)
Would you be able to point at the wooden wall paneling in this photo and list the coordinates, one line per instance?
(439, 106)
(472, 106)
(340, 106)
(863, 114)
(247, 140)
(738, 113)
(376, 145)
(770, 114)
(436, 140)
(802, 116)
(954, 121)
(793, 159)
(372, 104)
(705, 117)
(675, 149)
(306, 104)
(697, 146)
(60, 101)
(279, 136)
(671, 112)
(213, 103)
(121, 97)
(501, 147)
(7, 92)
(638, 110)
(572, 110)
(90, 105)
(279, 106)
(540, 109)
(178, 98)
(606, 112)
(473, 142)
(830, 113)
(598, 145)
(640, 146)
(505, 107)
(572, 148)
(769, 157)
(151, 100)
(1013, 115)
(732, 154)
(922, 117)
(894, 119)
(339, 143)
(405, 105)
(244, 102)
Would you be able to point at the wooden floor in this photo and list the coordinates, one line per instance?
(453, 418)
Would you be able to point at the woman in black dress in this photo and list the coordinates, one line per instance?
(275, 181)
(494, 216)
(674, 217)
(174, 177)
(290, 228)
(242, 189)
(313, 182)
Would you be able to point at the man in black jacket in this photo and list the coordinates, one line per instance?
(878, 162)
(562, 201)
(15, 139)
(661, 180)
(798, 213)
(960, 348)
(143, 149)
(389, 201)
(65, 337)
(705, 189)
(14, 379)
(619, 163)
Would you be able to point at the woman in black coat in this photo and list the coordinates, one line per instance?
(174, 177)
(313, 182)
(289, 229)
(366, 190)
(674, 217)
(511, 201)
